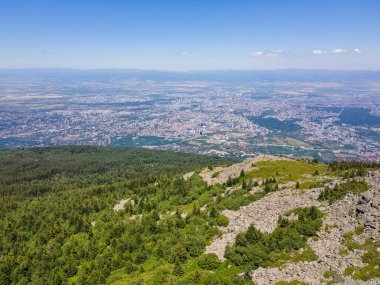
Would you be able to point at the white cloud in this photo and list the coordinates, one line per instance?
(181, 53)
(338, 51)
(257, 54)
(273, 53)
(319, 52)
(334, 51)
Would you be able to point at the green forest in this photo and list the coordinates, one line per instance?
(50, 196)
(58, 224)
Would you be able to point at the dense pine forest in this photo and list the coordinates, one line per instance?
(50, 196)
(95, 215)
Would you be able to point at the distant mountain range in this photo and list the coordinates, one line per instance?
(294, 75)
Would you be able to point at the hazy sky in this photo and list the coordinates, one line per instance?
(190, 34)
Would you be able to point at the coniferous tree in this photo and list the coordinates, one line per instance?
(178, 270)
(244, 184)
(213, 212)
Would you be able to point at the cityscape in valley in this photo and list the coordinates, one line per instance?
(322, 114)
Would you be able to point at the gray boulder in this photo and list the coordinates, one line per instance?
(376, 202)
(361, 209)
(365, 198)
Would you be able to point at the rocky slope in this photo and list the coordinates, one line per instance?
(263, 214)
(343, 216)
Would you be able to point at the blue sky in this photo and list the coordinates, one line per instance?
(190, 34)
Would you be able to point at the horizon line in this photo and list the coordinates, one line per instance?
(183, 71)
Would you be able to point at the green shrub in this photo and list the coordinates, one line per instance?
(328, 274)
(222, 220)
(339, 191)
(215, 174)
(209, 261)
(359, 230)
(343, 252)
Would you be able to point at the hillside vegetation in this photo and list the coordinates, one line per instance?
(34, 171)
(59, 223)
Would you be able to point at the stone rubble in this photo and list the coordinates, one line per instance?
(120, 205)
(188, 175)
(263, 214)
(341, 217)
